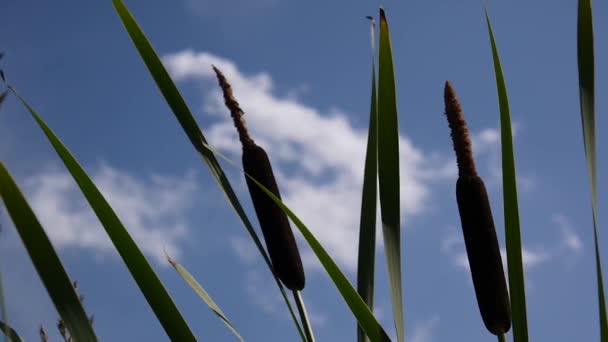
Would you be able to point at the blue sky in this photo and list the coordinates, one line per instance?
(301, 71)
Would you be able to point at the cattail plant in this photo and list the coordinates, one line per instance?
(280, 242)
(478, 226)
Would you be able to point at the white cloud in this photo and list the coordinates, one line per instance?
(566, 246)
(318, 157)
(151, 210)
(570, 239)
(424, 331)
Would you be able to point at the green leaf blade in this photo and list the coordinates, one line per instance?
(195, 135)
(367, 231)
(10, 333)
(586, 74)
(511, 207)
(45, 260)
(388, 172)
(200, 291)
(150, 285)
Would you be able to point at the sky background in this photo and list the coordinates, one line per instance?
(301, 71)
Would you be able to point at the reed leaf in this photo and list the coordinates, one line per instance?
(511, 207)
(367, 226)
(45, 260)
(150, 285)
(200, 291)
(186, 120)
(388, 171)
(586, 79)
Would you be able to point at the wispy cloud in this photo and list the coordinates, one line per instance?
(152, 210)
(423, 331)
(564, 245)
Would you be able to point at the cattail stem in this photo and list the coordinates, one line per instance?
(297, 296)
(502, 338)
(460, 133)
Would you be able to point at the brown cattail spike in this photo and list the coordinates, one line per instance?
(280, 241)
(460, 132)
(478, 226)
(235, 109)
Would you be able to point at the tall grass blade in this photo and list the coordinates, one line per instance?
(511, 207)
(195, 135)
(586, 79)
(200, 291)
(150, 285)
(367, 227)
(45, 260)
(10, 333)
(388, 171)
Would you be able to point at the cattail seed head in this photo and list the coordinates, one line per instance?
(280, 241)
(279, 238)
(478, 226)
(483, 253)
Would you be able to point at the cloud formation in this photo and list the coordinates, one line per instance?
(318, 157)
(151, 210)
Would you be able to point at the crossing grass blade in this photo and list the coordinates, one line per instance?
(10, 333)
(150, 285)
(45, 260)
(186, 120)
(367, 227)
(200, 291)
(360, 310)
(511, 207)
(388, 171)
(586, 78)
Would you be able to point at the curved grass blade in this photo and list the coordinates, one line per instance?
(10, 333)
(200, 291)
(195, 135)
(367, 227)
(150, 285)
(586, 79)
(511, 208)
(360, 310)
(45, 260)
(388, 171)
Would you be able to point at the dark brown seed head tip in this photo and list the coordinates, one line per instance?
(459, 132)
(235, 109)
(382, 14)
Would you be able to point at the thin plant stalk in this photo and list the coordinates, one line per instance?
(502, 338)
(297, 296)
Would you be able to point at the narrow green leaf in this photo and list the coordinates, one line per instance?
(200, 291)
(388, 171)
(511, 208)
(10, 333)
(367, 227)
(45, 260)
(195, 135)
(586, 79)
(360, 310)
(150, 285)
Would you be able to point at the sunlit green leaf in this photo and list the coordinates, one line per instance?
(388, 171)
(511, 207)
